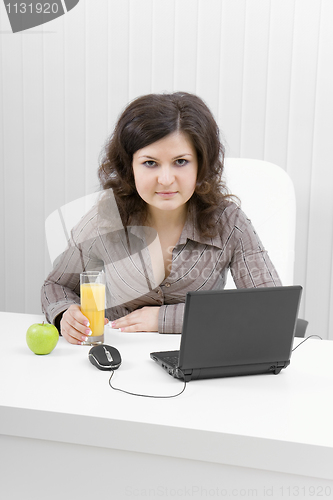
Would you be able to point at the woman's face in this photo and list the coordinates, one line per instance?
(165, 173)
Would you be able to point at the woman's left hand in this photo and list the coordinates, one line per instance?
(140, 320)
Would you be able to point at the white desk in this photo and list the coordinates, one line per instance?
(64, 431)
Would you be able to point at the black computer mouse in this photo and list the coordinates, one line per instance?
(105, 357)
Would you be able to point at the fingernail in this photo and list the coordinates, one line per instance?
(88, 331)
(87, 323)
(84, 338)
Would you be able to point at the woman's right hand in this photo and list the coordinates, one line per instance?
(74, 326)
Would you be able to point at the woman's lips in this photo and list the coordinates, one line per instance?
(166, 194)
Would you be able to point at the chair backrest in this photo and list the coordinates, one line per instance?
(268, 199)
(59, 223)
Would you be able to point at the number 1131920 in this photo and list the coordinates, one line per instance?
(38, 8)
(309, 491)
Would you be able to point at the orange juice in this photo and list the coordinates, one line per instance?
(92, 306)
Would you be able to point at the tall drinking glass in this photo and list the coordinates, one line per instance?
(92, 291)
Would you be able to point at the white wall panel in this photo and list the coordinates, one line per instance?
(186, 45)
(140, 48)
(118, 58)
(231, 69)
(318, 282)
(254, 89)
(209, 47)
(163, 45)
(2, 180)
(54, 115)
(263, 66)
(96, 79)
(301, 120)
(13, 165)
(279, 67)
(33, 165)
(75, 91)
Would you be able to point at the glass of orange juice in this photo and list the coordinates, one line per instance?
(92, 292)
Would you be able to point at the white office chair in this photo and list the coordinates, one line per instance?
(267, 197)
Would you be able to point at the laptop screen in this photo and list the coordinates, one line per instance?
(237, 327)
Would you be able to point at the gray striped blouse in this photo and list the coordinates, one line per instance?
(198, 263)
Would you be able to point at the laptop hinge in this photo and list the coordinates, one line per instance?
(189, 374)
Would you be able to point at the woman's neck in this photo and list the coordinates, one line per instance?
(166, 220)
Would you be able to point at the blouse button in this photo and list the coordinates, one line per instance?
(167, 284)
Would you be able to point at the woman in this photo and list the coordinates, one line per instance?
(177, 227)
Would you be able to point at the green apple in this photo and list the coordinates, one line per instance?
(42, 338)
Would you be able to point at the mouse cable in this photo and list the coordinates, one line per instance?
(147, 395)
(307, 338)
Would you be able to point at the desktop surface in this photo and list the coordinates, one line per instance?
(282, 422)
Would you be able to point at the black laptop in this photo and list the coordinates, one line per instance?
(234, 332)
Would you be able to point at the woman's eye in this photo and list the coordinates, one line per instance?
(150, 163)
(181, 162)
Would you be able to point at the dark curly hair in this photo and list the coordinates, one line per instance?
(148, 119)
